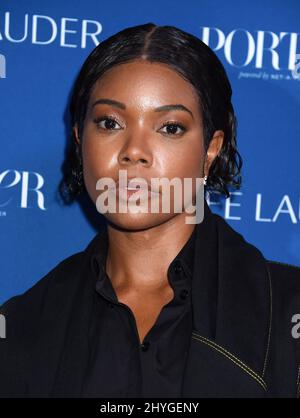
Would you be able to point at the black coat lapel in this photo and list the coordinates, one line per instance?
(231, 313)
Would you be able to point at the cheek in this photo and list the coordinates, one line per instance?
(188, 163)
(96, 159)
(96, 163)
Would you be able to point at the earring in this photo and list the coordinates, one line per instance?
(205, 180)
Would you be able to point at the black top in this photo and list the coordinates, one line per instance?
(63, 339)
(155, 367)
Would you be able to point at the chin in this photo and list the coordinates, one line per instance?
(137, 221)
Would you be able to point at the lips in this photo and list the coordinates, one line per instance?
(144, 194)
(140, 188)
(136, 186)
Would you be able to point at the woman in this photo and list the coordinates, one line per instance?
(155, 305)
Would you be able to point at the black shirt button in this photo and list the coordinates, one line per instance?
(177, 267)
(145, 346)
(184, 293)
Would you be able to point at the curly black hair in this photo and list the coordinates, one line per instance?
(195, 62)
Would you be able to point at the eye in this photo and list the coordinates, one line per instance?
(109, 123)
(172, 127)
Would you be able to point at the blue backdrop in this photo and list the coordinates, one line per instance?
(42, 47)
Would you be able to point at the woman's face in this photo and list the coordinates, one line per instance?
(130, 135)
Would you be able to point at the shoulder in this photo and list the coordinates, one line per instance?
(235, 241)
(31, 323)
(61, 281)
(281, 270)
(52, 297)
(284, 276)
(284, 347)
(35, 300)
(285, 286)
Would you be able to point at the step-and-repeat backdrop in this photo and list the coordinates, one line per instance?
(42, 47)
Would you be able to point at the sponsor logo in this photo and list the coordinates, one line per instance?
(263, 50)
(27, 183)
(68, 32)
(284, 207)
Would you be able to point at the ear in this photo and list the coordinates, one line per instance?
(214, 148)
(75, 131)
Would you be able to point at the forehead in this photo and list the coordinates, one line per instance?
(145, 84)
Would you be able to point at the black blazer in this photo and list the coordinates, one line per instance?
(243, 344)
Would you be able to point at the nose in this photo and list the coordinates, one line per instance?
(135, 151)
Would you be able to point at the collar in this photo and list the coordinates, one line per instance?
(231, 300)
(183, 260)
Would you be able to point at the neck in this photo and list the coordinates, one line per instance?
(140, 259)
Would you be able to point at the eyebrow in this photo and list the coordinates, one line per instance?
(164, 108)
